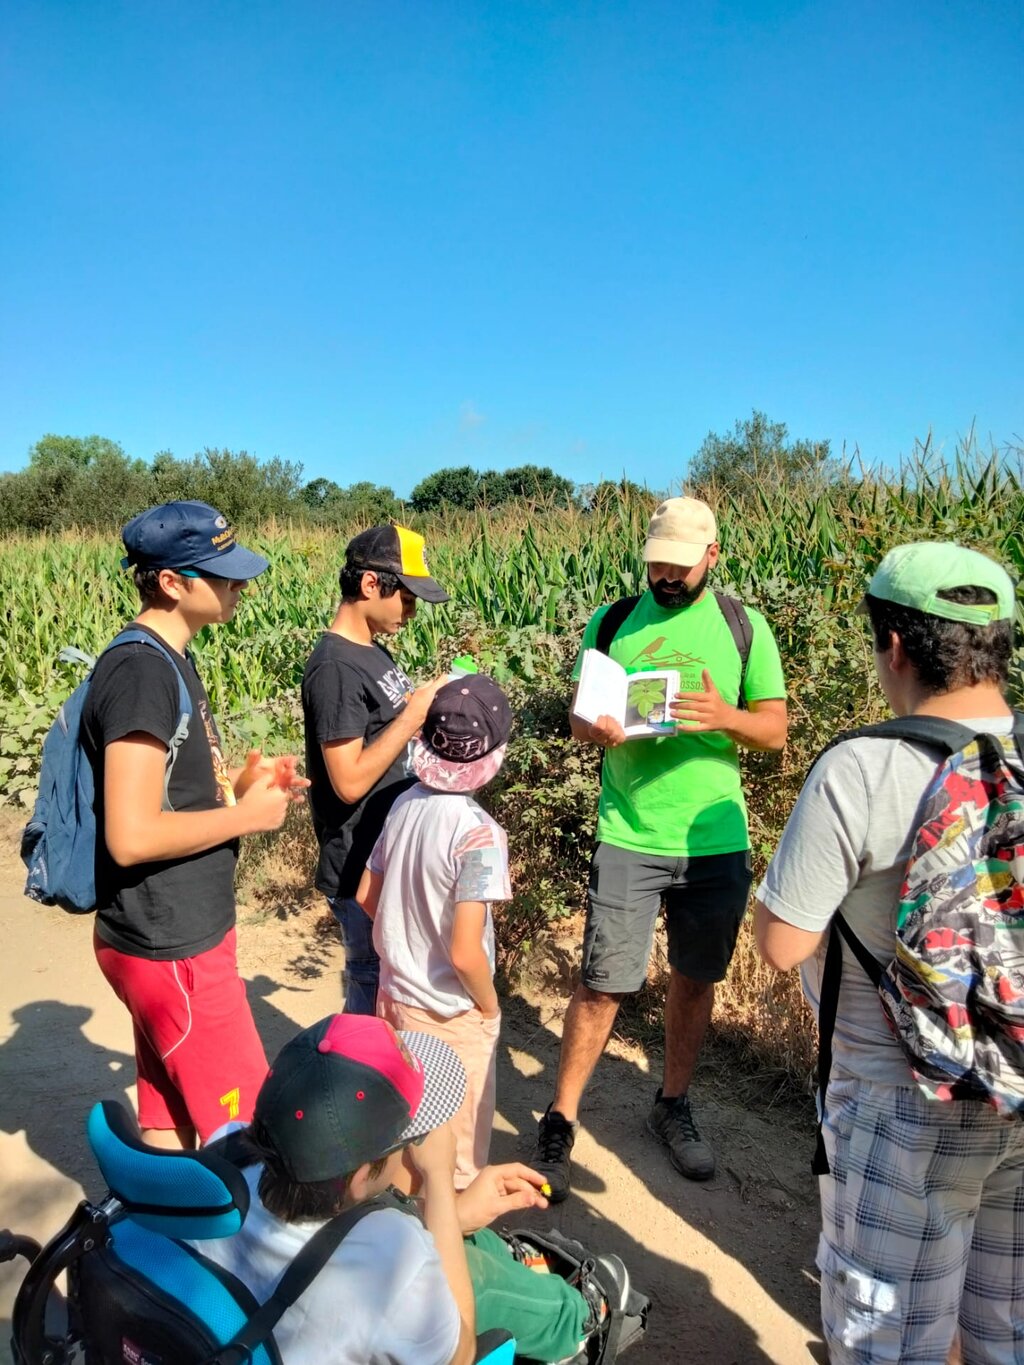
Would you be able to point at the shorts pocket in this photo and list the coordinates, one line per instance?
(860, 1313)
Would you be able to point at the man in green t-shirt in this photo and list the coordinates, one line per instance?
(672, 829)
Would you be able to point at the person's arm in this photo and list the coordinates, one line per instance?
(469, 958)
(783, 945)
(137, 830)
(762, 726)
(356, 767)
(368, 891)
(434, 1162)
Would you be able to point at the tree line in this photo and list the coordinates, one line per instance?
(90, 482)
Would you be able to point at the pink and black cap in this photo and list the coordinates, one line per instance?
(349, 1089)
(188, 535)
(463, 739)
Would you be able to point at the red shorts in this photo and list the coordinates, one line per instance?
(199, 1057)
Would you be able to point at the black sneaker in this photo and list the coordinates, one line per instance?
(671, 1122)
(555, 1137)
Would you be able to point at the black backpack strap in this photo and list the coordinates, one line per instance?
(935, 732)
(612, 622)
(828, 1004)
(742, 631)
(300, 1274)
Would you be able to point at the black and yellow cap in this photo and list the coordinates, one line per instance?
(397, 550)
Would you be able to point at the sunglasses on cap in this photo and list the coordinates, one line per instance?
(213, 577)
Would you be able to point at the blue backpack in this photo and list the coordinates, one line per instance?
(58, 845)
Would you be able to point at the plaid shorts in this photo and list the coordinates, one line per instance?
(922, 1228)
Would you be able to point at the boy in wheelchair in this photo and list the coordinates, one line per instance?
(317, 1196)
(398, 1290)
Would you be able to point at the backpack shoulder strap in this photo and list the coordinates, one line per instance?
(738, 621)
(933, 731)
(131, 636)
(828, 1007)
(299, 1275)
(612, 622)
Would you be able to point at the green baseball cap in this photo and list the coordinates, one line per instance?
(914, 575)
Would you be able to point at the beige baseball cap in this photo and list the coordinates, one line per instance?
(680, 532)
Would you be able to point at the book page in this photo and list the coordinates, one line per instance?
(601, 690)
(648, 696)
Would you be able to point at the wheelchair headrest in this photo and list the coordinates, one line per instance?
(197, 1195)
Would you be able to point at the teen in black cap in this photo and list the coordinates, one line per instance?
(360, 711)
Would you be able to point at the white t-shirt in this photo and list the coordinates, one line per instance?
(382, 1298)
(845, 847)
(436, 849)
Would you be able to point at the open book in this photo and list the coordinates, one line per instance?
(638, 701)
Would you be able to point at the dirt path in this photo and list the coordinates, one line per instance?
(728, 1265)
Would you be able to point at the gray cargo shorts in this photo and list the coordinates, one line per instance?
(705, 898)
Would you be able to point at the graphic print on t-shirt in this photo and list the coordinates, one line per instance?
(655, 655)
(225, 791)
(395, 685)
(482, 864)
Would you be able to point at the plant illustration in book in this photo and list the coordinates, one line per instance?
(646, 700)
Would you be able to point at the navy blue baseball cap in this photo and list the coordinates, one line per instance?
(188, 535)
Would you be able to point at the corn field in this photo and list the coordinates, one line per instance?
(523, 585)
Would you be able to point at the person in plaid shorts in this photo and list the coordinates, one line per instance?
(923, 1209)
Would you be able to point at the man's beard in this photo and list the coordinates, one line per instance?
(674, 593)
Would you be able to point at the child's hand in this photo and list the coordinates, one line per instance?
(497, 1190)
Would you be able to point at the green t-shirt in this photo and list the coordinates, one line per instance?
(680, 795)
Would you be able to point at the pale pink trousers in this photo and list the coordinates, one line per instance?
(475, 1040)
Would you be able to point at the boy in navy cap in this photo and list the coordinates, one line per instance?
(169, 814)
(439, 862)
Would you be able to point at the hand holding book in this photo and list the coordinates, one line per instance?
(636, 704)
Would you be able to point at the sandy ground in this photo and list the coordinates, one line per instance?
(729, 1265)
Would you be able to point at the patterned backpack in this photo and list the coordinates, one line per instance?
(953, 994)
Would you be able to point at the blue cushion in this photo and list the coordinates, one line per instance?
(196, 1195)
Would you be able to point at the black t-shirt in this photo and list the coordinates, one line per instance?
(160, 910)
(349, 691)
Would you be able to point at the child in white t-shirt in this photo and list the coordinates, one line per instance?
(439, 862)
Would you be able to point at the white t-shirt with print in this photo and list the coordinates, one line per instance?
(846, 847)
(436, 849)
(382, 1298)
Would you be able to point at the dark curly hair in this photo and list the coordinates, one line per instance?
(946, 654)
(350, 580)
(295, 1201)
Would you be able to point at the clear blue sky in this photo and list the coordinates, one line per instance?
(379, 238)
